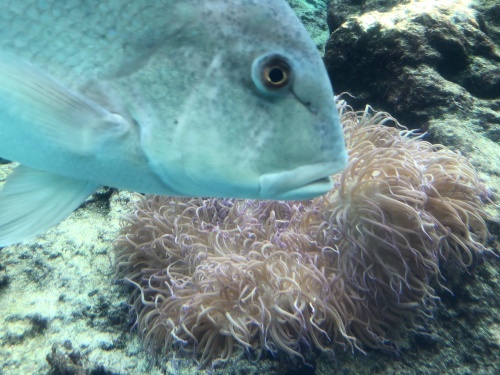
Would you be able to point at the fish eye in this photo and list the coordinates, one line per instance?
(275, 75)
(271, 73)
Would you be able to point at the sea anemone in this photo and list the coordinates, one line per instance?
(216, 278)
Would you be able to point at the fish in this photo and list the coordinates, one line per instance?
(192, 98)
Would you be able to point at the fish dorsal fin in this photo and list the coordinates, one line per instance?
(39, 104)
(31, 201)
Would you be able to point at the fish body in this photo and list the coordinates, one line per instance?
(190, 98)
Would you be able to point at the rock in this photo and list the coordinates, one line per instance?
(434, 65)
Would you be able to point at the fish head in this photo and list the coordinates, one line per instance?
(259, 120)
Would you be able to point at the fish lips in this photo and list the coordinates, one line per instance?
(303, 182)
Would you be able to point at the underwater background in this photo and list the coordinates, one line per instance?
(435, 66)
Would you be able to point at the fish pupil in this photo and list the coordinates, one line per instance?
(276, 75)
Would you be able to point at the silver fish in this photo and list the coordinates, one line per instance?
(190, 98)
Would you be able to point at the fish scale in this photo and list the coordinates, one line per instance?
(64, 37)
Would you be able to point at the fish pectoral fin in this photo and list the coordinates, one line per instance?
(32, 201)
(40, 105)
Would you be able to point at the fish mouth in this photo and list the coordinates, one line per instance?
(304, 182)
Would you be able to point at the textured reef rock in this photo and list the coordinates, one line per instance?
(312, 13)
(434, 65)
(418, 60)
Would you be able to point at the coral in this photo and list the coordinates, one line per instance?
(215, 278)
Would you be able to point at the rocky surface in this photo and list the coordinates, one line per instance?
(312, 13)
(61, 311)
(434, 65)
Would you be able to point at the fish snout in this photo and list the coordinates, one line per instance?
(303, 182)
